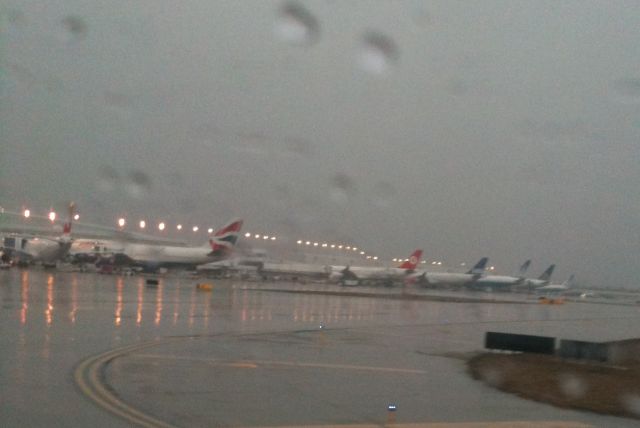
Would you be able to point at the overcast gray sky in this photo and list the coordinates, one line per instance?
(492, 128)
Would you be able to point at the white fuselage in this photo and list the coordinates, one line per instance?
(145, 254)
(536, 282)
(498, 279)
(295, 269)
(448, 278)
(369, 273)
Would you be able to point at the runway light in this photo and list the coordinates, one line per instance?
(394, 260)
(27, 213)
(368, 257)
(265, 237)
(348, 247)
(375, 257)
(143, 224)
(308, 243)
(121, 222)
(324, 245)
(161, 226)
(355, 248)
(333, 245)
(315, 244)
(340, 247)
(52, 216)
(76, 217)
(257, 236)
(210, 230)
(299, 241)
(195, 228)
(273, 238)
(362, 253)
(247, 235)
(179, 227)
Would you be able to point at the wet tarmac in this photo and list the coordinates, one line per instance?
(81, 349)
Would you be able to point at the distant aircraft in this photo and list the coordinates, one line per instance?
(501, 282)
(43, 249)
(448, 279)
(151, 257)
(542, 280)
(292, 270)
(557, 287)
(355, 275)
(243, 264)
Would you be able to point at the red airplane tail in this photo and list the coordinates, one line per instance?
(413, 261)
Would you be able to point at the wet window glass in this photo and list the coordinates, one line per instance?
(288, 212)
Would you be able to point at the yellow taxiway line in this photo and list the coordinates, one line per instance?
(88, 376)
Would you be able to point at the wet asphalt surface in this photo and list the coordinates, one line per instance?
(243, 354)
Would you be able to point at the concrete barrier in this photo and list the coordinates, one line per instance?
(580, 350)
(520, 343)
(624, 352)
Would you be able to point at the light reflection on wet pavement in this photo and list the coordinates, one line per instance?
(239, 355)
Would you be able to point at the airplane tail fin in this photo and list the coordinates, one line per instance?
(479, 267)
(66, 227)
(546, 275)
(225, 239)
(569, 282)
(413, 261)
(523, 269)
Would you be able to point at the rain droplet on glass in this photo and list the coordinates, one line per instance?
(296, 25)
(378, 53)
(107, 179)
(75, 27)
(138, 184)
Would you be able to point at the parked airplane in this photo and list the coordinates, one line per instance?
(501, 282)
(354, 275)
(448, 279)
(542, 280)
(43, 249)
(557, 287)
(293, 271)
(151, 257)
(242, 264)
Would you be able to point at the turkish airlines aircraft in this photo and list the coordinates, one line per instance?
(355, 275)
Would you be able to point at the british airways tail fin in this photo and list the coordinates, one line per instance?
(225, 238)
(546, 275)
(413, 261)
